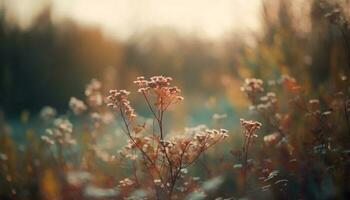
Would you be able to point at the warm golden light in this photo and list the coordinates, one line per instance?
(122, 18)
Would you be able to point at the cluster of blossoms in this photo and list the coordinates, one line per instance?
(104, 117)
(94, 100)
(77, 106)
(183, 150)
(93, 93)
(272, 138)
(267, 103)
(61, 133)
(118, 100)
(165, 158)
(252, 87)
(142, 143)
(284, 123)
(269, 97)
(160, 85)
(287, 81)
(250, 127)
(249, 132)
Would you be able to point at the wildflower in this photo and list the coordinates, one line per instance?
(290, 83)
(250, 127)
(166, 95)
(270, 97)
(271, 138)
(118, 100)
(168, 156)
(93, 93)
(77, 106)
(61, 133)
(92, 87)
(47, 113)
(252, 86)
(63, 125)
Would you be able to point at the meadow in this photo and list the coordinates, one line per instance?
(166, 115)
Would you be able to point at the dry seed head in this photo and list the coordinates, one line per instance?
(160, 86)
(118, 100)
(250, 127)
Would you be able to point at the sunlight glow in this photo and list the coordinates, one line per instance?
(122, 18)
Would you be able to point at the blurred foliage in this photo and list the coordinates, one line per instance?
(57, 59)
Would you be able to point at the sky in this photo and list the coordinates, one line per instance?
(122, 18)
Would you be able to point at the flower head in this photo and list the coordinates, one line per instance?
(77, 106)
(250, 127)
(60, 133)
(252, 87)
(165, 94)
(118, 100)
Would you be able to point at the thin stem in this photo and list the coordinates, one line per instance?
(178, 170)
(161, 113)
(203, 148)
(150, 107)
(245, 160)
(155, 186)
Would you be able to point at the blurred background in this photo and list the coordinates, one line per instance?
(51, 49)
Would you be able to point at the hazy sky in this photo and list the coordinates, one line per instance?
(121, 18)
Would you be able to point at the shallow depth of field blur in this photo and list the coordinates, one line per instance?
(258, 106)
